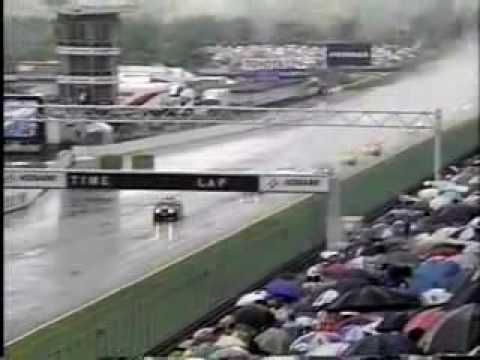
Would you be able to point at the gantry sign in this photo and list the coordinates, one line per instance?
(313, 182)
(201, 116)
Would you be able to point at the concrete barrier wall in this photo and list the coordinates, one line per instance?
(138, 317)
(163, 140)
(372, 187)
(16, 199)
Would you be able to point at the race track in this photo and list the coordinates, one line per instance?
(74, 246)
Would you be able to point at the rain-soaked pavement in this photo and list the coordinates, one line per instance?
(73, 246)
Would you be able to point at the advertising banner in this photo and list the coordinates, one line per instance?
(21, 131)
(349, 54)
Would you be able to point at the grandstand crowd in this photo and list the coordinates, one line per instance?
(406, 283)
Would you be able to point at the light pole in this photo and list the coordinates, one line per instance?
(437, 151)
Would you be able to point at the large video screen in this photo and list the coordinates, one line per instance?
(19, 120)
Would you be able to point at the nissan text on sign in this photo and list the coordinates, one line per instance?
(349, 54)
(25, 179)
(294, 184)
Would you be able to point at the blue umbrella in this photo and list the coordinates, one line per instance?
(287, 290)
(435, 274)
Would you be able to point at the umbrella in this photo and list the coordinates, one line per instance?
(443, 251)
(462, 178)
(299, 326)
(374, 249)
(406, 200)
(457, 332)
(273, 341)
(226, 341)
(206, 334)
(288, 290)
(373, 298)
(423, 320)
(330, 350)
(393, 321)
(422, 225)
(467, 294)
(435, 297)
(334, 270)
(470, 233)
(446, 232)
(399, 257)
(422, 206)
(396, 243)
(257, 316)
(384, 344)
(360, 320)
(325, 298)
(396, 275)
(446, 199)
(343, 285)
(402, 214)
(453, 214)
(474, 184)
(251, 298)
(233, 352)
(312, 340)
(203, 351)
(401, 228)
(433, 274)
(464, 281)
(353, 274)
(380, 231)
(424, 243)
(328, 293)
(352, 333)
(428, 194)
(472, 200)
(447, 186)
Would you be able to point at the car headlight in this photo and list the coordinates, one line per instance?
(157, 211)
(170, 211)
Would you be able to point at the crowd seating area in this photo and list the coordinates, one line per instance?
(407, 283)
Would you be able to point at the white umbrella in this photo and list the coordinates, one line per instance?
(332, 349)
(252, 297)
(428, 194)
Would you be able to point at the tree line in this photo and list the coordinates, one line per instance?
(149, 41)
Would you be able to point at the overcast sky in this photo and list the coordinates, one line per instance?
(309, 11)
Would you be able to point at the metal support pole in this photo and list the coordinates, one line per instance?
(334, 226)
(437, 159)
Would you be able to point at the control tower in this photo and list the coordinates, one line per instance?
(88, 49)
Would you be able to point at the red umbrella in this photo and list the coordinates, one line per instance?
(334, 270)
(443, 251)
(424, 320)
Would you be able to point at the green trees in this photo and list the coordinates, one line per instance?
(176, 43)
(148, 40)
(27, 38)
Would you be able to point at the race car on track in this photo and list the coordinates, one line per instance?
(168, 209)
(372, 149)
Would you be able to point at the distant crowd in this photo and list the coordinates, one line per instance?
(407, 283)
